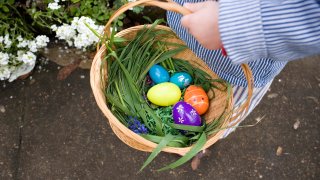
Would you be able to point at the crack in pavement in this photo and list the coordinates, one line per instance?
(21, 123)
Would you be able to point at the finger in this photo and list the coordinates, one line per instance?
(186, 21)
(194, 6)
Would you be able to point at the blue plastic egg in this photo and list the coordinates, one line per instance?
(181, 79)
(158, 74)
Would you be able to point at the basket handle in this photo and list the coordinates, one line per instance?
(169, 5)
(166, 4)
(245, 106)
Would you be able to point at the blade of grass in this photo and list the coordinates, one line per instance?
(165, 140)
(182, 140)
(187, 128)
(193, 151)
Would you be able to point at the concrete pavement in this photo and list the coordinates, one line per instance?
(52, 129)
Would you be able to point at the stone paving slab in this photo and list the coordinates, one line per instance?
(52, 129)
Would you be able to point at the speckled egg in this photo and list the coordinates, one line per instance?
(183, 113)
(198, 98)
(158, 74)
(181, 79)
(164, 94)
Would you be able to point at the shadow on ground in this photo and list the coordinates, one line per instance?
(52, 129)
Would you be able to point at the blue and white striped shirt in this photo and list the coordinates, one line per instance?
(265, 34)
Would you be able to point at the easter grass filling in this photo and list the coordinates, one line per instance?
(128, 63)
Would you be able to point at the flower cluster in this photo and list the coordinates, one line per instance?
(17, 55)
(54, 5)
(77, 33)
(135, 125)
(18, 49)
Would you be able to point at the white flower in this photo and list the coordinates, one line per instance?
(77, 33)
(4, 58)
(54, 6)
(20, 53)
(1, 39)
(75, 22)
(65, 32)
(81, 41)
(27, 58)
(56, 1)
(20, 38)
(7, 41)
(4, 72)
(82, 28)
(54, 27)
(70, 43)
(42, 41)
(86, 37)
(23, 44)
(32, 46)
(84, 40)
(111, 29)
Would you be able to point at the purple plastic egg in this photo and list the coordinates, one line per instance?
(184, 113)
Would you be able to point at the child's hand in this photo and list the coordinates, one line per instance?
(203, 23)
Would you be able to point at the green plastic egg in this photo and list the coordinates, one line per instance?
(164, 94)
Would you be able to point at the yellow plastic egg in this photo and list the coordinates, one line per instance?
(164, 94)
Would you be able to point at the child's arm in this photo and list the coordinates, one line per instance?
(203, 23)
(255, 29)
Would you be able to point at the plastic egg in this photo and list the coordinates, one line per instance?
(198, 98)
(184, 113)
(181, 79)
(164, 94)
(158, 74)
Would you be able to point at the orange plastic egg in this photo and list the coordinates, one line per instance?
(198, 98)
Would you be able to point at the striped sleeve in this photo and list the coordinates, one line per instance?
(283, 30)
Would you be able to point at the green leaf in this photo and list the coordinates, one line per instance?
(11, 2)
(193, 151)
(117, 103)
(157, 120)
(89, 11)
(119, 39)
(84, 12)
(165, 140)
(137, 9)
(73, 10)
(187, 128)
(170, 53)
(95, 9)
(100, 18)
(178, 141)
(120, 23)
(5, 9)
(75, 1)
(94, 31)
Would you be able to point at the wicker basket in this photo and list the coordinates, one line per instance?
(217, 106)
